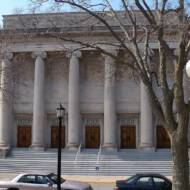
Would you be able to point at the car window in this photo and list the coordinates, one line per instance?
(145, 181)
(27, 179)
(53, 178)
(160, 182)
(40, 179)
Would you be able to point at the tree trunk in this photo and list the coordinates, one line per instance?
(179, 148)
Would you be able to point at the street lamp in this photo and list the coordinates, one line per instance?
(187, 68)
(60, 113)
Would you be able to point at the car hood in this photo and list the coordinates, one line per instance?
(74, 185)
(6, 181)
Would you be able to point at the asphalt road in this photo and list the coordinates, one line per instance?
(103, 186)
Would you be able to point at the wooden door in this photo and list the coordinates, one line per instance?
(92, 137)
(128, 136)
(23, 136)
(163, 140)
(54, 136)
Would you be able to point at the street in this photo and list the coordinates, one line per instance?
(103, 186)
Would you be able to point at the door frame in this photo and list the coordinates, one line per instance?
(92, 119)
(128, 119)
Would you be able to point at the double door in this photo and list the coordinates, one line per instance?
(54, 136)
(92, 136)
(163, 140)
(128, 137)
(24, 136)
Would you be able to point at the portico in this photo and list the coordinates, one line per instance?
(105, 106)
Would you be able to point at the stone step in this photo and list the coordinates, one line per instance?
(124, 163)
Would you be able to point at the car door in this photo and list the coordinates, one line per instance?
(29, 182)
(161, 184)
(25, 182)
(144, 183)
(44, 183)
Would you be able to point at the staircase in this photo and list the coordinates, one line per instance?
(122, 163)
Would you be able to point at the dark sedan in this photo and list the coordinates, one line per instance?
(147, 181)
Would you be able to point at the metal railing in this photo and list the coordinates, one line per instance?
(78, 152)
(99, 153)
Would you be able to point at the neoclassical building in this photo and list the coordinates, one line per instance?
(105, 104)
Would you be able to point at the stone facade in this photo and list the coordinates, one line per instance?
(105, 105)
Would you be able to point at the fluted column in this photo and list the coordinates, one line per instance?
(38, 101)
(110, 140)
(74, 126)
(146, 125)
(6, 102)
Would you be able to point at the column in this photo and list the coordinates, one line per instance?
(146, 125)
(38, 101)
(6, 103)
(110, 135)
(74, 125)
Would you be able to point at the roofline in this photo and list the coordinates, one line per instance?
(60, 13)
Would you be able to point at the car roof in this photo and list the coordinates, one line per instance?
(36, 173)
(150, 174)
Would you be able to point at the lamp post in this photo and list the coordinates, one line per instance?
(60, 113)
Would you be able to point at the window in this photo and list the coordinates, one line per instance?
(144, 181)
(159, 182)
(40, 179)
(27, 179)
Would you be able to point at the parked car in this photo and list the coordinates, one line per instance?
(149, 181)
(41, 181)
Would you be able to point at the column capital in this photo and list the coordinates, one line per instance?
(77, 54)
(7, 55)
(41, 54)
(112, 51)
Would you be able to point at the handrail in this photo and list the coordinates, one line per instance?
(99, 153)
(78, 151)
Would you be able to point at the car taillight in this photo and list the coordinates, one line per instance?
(116, 188)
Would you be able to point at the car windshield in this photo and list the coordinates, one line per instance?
(131, 179)
(53, 178)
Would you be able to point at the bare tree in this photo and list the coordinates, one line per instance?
(132, 29)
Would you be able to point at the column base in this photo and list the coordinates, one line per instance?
(72, 146)
(110, 147)
(37, 147)
(4, 151)
(147, 148)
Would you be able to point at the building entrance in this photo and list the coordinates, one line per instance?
(163, 140)
(24, 136)
(128, 136)
(92, 136)
(54, 137)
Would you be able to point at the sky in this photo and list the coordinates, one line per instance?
(8, 6)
